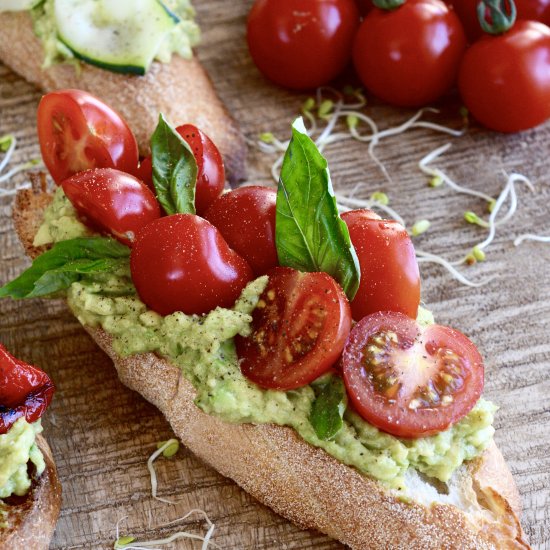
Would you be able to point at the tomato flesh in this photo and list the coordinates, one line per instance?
(505, 80)
(390, 279)
(409, 56)
(246, 219)
(302, 44)
(299, 329)
(77, 132)
(182, 263)
(112, 201)
(409, 380)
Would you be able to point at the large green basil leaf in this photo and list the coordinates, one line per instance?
(174, 170)
(329, 406)
(310, 235)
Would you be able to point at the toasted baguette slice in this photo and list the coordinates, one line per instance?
(181, 90)
(30, 520)
(305, 484)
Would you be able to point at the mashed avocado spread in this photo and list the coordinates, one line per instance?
(202, 346)
(180, 40)
(17, 447)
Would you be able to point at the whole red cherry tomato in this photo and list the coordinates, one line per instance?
(182, 263)
(409, 380)
(390, 279)
(534, 10)
(77, 131)
(114, 202)
(246, 219)
(210, 174)
(409, 56)
(299, 329)
(302, 44)
(25, 391)
(365, 6)
(504, 79)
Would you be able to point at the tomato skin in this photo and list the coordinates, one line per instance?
(409, 56)
(390, 279)
(210, 169)
(533, 10)
(299, 329)
(25, 391)
(77, 131)
(302, 44)
(394, 372)
(505, 80)
(246, 219)
(182, 263)
(115, 202)
(365, 6)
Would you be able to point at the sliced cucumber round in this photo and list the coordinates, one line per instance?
(122, 36)
(18, 5)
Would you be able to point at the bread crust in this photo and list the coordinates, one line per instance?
(30, 520)
(181, 90)
(304, 483)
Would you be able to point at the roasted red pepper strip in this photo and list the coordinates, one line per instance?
(25, 391)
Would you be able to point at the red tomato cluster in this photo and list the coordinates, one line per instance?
(302, 322)
(411, 52)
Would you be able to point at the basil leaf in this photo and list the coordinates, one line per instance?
(174, 170)
(328, 408)
(309, 233)
(66, 263)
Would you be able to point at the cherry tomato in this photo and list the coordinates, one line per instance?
(211, 172)
(534, 10)
(365, 6)
(299, 329)
(302, 44)
(410, 56)
(77, 131)
(246, 219)
(112, 201)
(505, 79)
(182, 263)
(409, 380)
(25, 391)
(390, 279)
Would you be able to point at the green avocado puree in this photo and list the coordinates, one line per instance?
(180, 40)
(203, 347)
(17, 447)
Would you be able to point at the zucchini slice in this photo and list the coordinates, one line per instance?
(122, 36)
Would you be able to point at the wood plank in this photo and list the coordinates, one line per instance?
(102, 433)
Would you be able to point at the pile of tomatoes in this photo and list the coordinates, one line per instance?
(407, 379)
(411, 52)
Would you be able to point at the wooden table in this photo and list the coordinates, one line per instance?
(102, 433)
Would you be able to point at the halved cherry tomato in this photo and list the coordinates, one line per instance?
(390, 279)
(77, 131)
(409, 56)
(182, 263)
(25, 391)
(302, 44)
(112, 201)
(211, 172)
(409, 380)
(246, 219)
(533, 10)
(299, 329)
(505, 79)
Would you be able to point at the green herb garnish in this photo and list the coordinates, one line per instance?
(310, 235)
(328, 408)
(174, 170)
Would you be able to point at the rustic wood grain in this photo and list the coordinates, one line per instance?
(102, 434)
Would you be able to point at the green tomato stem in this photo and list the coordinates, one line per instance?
(496, 16)
(388, 4)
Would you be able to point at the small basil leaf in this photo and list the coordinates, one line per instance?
(66, 263)
(328, 408)
(309, 233)
(174, 170)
